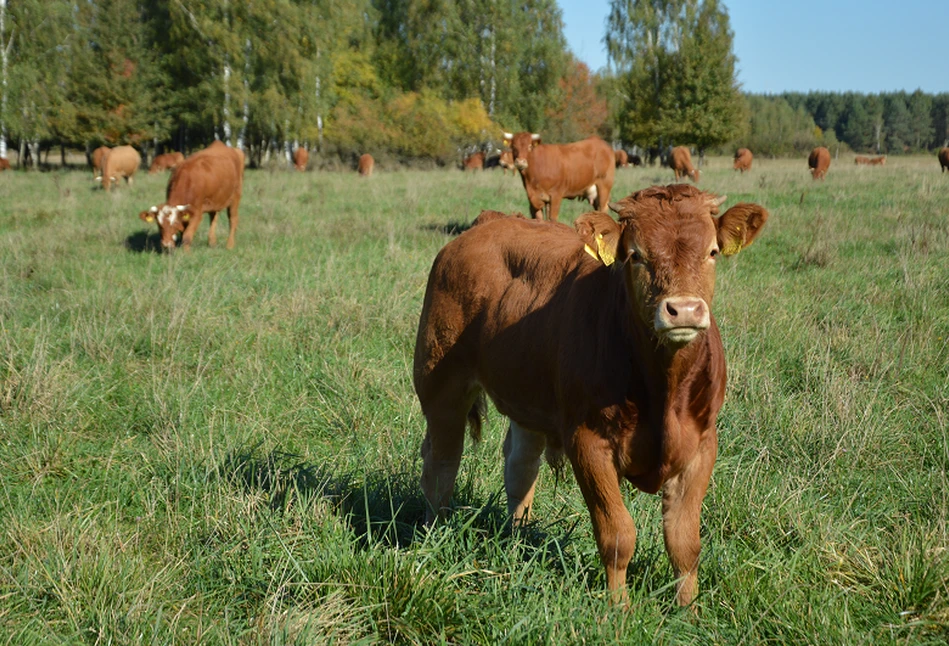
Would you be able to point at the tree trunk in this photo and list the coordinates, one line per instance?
(4, 61)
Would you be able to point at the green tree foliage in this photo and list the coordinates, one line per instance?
(677, 71)
(775, 128)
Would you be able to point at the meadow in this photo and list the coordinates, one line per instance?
(222, 447)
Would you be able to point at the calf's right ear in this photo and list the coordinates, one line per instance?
(149, 215)
(739, 226)
(600, 235)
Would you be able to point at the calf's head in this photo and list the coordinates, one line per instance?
(521, 145)
(172, 220)
(667, 243)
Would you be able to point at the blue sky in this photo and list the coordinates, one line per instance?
(835, 45)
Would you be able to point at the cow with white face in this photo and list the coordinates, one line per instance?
(206, 182)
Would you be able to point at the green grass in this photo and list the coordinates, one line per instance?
(222, 447)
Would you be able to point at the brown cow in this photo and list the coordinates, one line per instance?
(743, 158)
(474, 161)
(366, 164)
(861, 160)
(4, 164)
(619, 367)
(300, 158)
(206, 182)
(121, 161)
(166, 161)
(877, 161)
(943, 160)
(506, 162)
(622, 159)
(583, 169)
(819, 162)
(680, 161)
(98, 156)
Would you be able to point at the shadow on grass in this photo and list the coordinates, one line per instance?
(143, 241)
(451, 228)
(386, 508)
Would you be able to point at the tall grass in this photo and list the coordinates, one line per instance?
(222, 447)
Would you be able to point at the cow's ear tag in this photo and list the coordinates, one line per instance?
(590, 251)
(734, 244)
(606, 254)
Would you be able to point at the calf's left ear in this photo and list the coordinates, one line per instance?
(739, 226)
(600, 235)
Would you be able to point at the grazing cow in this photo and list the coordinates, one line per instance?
(506, 162)
(475, 161)
(121, 161)
(4, 164)
(619, 367)
(819, 162)
(98, 155)
(166, 161)
(861, 160)
(622, 159)
(743, 159)
(300, 159)
(583, 169)
(206, 182)
(680, 161)
(635, 160)
(943, 160)
(366, 164)
(877, 161)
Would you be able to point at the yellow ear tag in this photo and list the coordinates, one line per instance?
(606, 254)
(735, 245)
(590, 251)
(150, 218)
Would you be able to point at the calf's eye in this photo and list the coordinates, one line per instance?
(713, 253)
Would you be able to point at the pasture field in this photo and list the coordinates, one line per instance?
(222, 447)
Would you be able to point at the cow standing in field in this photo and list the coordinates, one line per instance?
(4, 164)
(300, 158)
(943, 160)
(600, 346)
(166, 161)
(743, 159)
(366, 164)
(622, 159)
(819, 162)
(680, 161)
(861, 160)
(583, 169)
(121, 161)
(506, 162)
(206, 182)
(474, 161)
(98, 155)
(877, 161)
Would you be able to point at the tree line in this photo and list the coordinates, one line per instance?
(406, 79)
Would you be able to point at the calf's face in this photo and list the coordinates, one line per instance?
(171, 220)
(667, 244)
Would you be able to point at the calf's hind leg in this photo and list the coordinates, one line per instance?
(522, 456)
(441, 449)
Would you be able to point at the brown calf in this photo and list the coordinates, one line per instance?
(300, 158)
(743, 159)
(584, 169)
(943, 159)
(4, 164)
(166, 161)
(680, 161)
(819, 162)
(366, 164)
(121, 161)
(622, 159)
(206, 182)
(474, 161)
(600, 346)
(506, 162)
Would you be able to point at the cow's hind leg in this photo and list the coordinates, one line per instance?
(212, 220)
(523, 450)
(602, 196)
(444, 442)
(599, 480)
(232, 223)
(681, 507)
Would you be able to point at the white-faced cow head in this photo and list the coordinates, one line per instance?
(667, 243)
(172, 221)
(521, 145)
